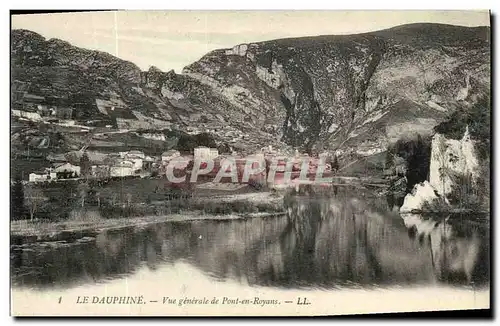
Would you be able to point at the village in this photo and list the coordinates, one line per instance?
(135, 163)
(85, 163)
(115, 160)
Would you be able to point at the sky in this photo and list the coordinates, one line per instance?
(175, 39)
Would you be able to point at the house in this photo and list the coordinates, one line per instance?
(135, 159)
(205, 153)
(169, 155)
(33, 97)
(18, 90)
(66, 170)
(67, 123)
(114, 156)
(43, 110)
(134, 152)
(122, 169)
(147, 163)
(137, 153)
(42, 176)
(35, 116)
(134, 156)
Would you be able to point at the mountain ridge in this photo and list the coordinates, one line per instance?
(311, 93)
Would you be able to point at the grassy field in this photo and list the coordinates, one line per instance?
(89, 221)
(135, 190)
(116, 197)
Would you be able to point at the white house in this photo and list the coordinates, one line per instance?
(135, 159)
(137, 153)
(42, 176)
(67, 123)
(122, 169)
(134, 152)
(147, 163)
(203, 152)
(35, 116)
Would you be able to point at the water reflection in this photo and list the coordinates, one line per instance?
(323, 241)
(459, 245)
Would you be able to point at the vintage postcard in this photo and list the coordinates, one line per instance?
(249, 163)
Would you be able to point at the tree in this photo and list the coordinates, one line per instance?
(98, 197)
(224, 148)
(335, 163)
(129, 199)
(443, 169)
(83, 189)
(33, 198)
(16, 198)
(85, 167)
(400, 165)
(93, 194)
(388, 162)
(64, 200)
(187, 143)
(113, 199)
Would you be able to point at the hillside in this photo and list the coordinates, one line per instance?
(353, 93)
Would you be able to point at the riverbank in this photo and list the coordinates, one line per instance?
(208, 204)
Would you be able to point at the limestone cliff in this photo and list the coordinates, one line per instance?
(354, 92)
(450, 158)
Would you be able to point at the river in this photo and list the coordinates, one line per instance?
(349, 239)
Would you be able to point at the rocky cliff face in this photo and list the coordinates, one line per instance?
(452, 157)
(345, 91)
(350, 93)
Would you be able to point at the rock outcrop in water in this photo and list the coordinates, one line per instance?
(422, 193)
(449, 158)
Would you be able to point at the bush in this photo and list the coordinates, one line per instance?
(85, 215)
(465, 195)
